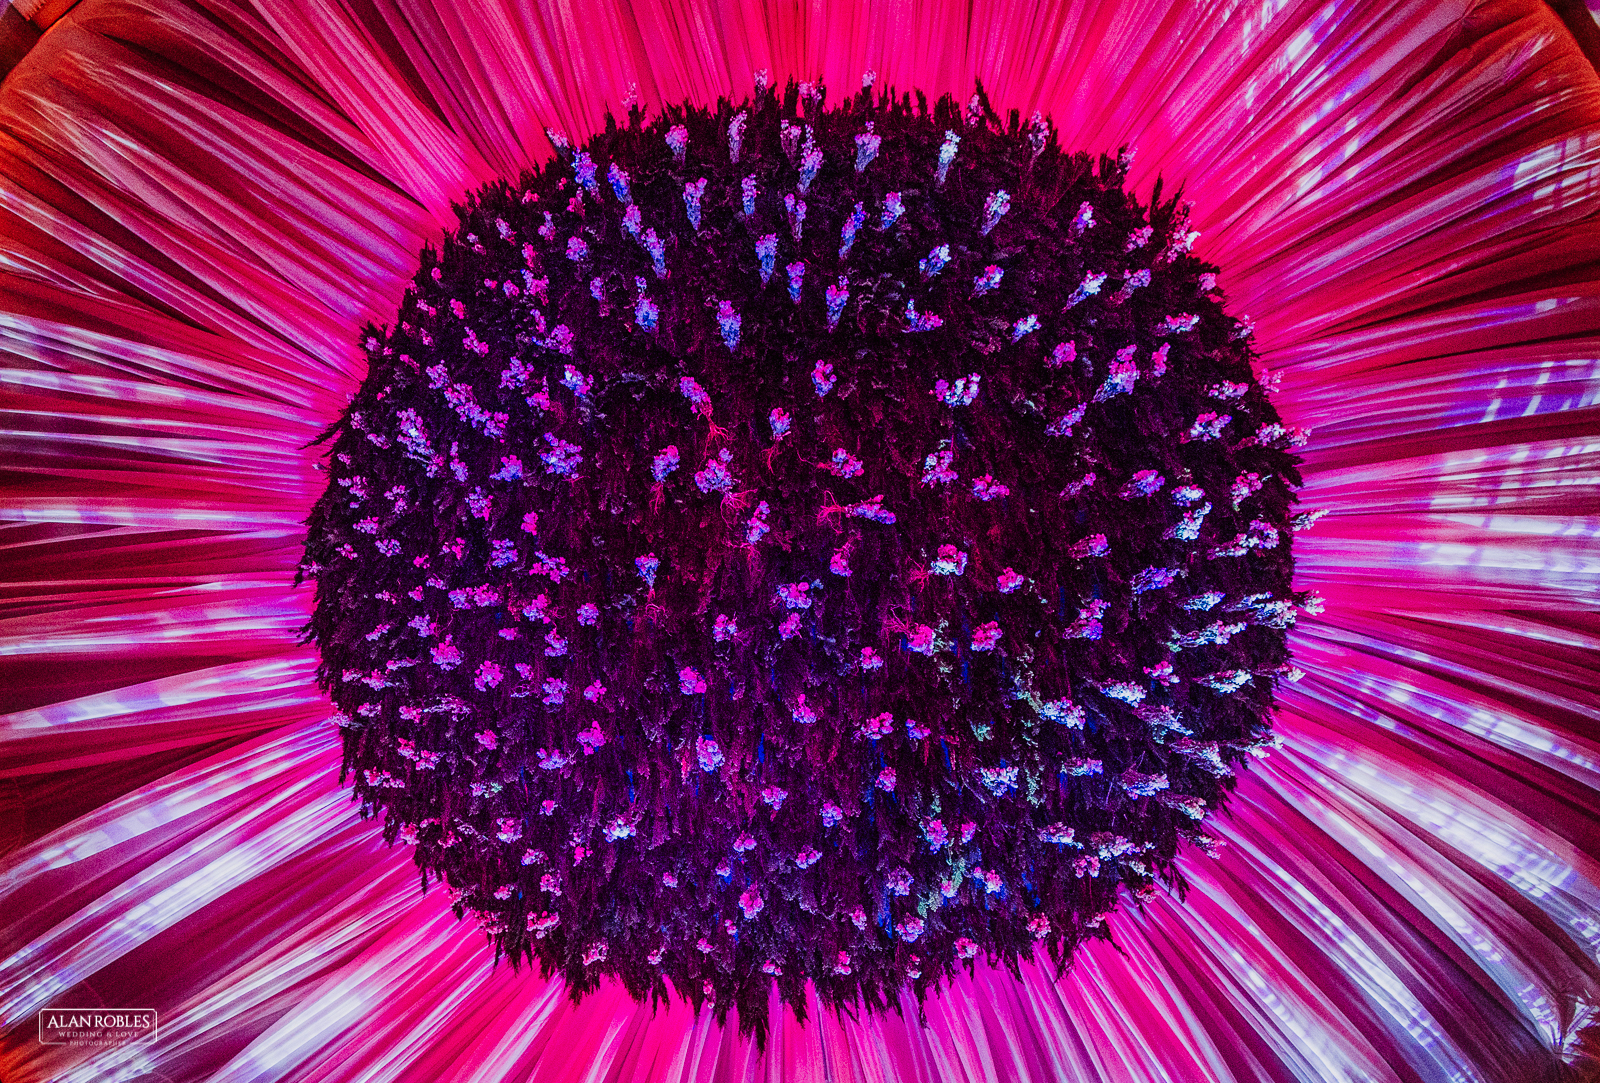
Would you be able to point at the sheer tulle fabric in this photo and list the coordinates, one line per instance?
(202, 200)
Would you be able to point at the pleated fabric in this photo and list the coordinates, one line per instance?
(202, 200)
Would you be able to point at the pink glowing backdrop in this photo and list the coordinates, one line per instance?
(200, 200)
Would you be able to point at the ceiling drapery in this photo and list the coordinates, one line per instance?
(200, 201)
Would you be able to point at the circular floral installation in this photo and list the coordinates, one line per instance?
(782, 545)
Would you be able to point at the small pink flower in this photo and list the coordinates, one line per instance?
(708, 753)
(870, 659)
(591, 738)
(446, 655)
(795, 595)
(871, 510)
(966, 948)
(757, 527)
(985, 636)
(886, 780)
(998, 780)
(1063, 711)
(962, 393)
(750, 902)
(1152, 579)
(921, 640)
(879, 725)
(1143, 483)
(937, 468)
(665, 462)
(690, 388)
(1124, 373)
(677, 140)
(488, 676)
(1163, 672)
(910, 929)
(594, 692)
(1009, 581)
(988, 281)
(715, 477)
(1095, 545)
(648, 565)
(487, 739)
(1208, 426)
(789, 627)
(1244, 486)
(690, 682)
(588, 614)
(950, 561)
(845, 465)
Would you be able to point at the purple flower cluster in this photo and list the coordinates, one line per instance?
(886, 678)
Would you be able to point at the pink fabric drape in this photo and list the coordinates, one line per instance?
(201, 200)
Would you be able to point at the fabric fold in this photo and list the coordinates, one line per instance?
(203, 201)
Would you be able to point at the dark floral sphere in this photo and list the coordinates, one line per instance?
(787, 545)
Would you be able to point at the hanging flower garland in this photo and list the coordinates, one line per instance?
(793, 545)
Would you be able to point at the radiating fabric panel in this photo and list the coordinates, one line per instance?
(203, 201)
